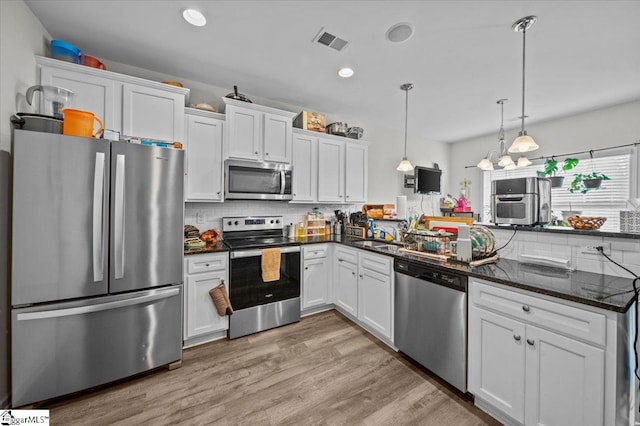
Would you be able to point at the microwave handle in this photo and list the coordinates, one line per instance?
(283, 181)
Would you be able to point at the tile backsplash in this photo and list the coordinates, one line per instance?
(209, 215)
(625, 251)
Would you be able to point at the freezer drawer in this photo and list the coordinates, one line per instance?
(67, 347)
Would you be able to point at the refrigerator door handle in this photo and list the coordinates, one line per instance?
(80, 310)
(119, 217)
(98, 218)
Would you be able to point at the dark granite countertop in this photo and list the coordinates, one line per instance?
(602, 291)
(564, 230)
(209, 248)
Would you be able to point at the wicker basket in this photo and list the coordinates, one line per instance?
(586, 222)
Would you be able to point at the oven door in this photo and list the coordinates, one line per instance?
(249, 180)
(515, 209)
(246, 287)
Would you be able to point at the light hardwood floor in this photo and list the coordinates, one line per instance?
(322, 370)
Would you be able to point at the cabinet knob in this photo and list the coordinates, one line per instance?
(266, 154)
(361, 276)
(256, 153)
(206, 264)
(306, 268)
(516, 337)
(526, 308)
(353, 273)
(295, 195)
(347, 196)
(218, 193)
(340, 260)
(530, 342)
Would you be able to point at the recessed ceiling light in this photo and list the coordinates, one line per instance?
(400, 32)
(345, 72)
(194, 17)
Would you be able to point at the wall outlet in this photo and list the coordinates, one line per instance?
(593, 250)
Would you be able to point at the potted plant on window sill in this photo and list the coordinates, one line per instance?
(551, 170)
(584, 182)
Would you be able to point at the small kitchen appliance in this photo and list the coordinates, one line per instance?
(52, 99)
(258, 304)
(252, 180)
(521, 201)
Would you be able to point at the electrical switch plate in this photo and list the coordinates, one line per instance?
(593, 250)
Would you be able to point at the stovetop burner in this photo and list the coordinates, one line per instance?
(254, 232)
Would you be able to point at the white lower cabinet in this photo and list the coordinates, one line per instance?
(375, 293)
(345, 280)
(363, 289)
(531, 373)
(201, 320)
(316, 276)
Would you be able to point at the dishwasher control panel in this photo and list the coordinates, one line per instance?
(427, 273)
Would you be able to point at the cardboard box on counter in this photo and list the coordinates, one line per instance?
(630, 221)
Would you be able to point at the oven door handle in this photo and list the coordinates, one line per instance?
(283, 181)
(257, 253)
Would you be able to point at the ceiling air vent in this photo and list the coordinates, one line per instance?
(330, 40)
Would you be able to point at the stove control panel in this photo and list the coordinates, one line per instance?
(251, 223)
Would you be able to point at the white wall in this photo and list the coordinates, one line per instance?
(616, 125)
(21, 37)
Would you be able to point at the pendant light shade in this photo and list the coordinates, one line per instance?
(405, 165)
(523, 162)
(524, 142)
(505, 161)
(485, 164)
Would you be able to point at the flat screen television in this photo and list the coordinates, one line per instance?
(426, 180)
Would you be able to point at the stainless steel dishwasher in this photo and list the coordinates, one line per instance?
(431, 319)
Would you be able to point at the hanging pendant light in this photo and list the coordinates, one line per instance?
(524, 142)
(405, 165)
(505, 159)
(523, 162)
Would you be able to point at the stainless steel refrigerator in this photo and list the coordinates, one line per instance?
(96, 262)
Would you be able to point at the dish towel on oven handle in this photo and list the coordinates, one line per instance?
(221, 300)
(270, 264)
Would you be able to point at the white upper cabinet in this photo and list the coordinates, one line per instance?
(330, 170)
(257, 133)
(305, 168)
(92, 93)
(356, 170)
(130, 105)
(277, 138)
(152, 113)
(203, 149)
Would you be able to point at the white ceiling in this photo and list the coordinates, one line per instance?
(463, 56)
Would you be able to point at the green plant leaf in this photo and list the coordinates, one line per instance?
(570, 163)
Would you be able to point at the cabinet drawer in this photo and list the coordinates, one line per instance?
(315, 251)
(347, 255)
(376, 262)
(206, 263)
(574, 322)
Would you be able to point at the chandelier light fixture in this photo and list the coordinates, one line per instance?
(524, 142)
(405, 165)
(505, 160)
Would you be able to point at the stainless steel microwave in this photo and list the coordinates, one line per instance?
(253, 180)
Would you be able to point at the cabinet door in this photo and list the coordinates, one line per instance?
(277, 138)
(315, 283)
(497, 361)
(244, 133)
(95, 94)
(374, 301)
(152, 113)
(200, 313)
(356, 173)
(565, 380)
(203, 169)
(305, 168)
(346, 286)
(330, 171)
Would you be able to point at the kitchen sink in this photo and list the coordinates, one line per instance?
(378, 245)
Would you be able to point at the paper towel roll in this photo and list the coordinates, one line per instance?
(401, 206)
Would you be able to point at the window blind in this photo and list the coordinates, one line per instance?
(606, 201)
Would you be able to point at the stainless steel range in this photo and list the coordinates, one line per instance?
(260, 305)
